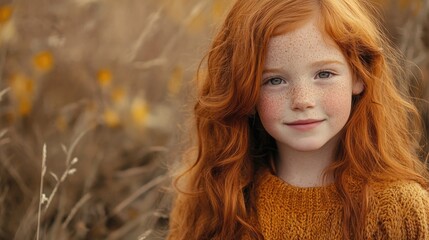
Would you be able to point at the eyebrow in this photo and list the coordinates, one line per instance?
(325, 62)
(312, 65)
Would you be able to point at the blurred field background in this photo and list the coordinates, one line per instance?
(93, 100)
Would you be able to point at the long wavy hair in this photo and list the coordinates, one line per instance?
(380, 142)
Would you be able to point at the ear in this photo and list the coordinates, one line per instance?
(358, 87)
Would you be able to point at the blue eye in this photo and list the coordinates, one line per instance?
(275, 81)
(324, 74)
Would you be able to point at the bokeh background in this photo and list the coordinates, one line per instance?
(94, 100)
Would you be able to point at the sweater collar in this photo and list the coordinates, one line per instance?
(274, 192)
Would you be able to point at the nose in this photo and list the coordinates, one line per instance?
(302, 97)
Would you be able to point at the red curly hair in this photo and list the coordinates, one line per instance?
(380, 142)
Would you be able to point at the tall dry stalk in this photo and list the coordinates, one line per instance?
(42, 197)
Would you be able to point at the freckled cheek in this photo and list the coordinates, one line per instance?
(271, 107)
(337, 103)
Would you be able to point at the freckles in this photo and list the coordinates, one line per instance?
(271, 107)
(303, 94)
(337, 102)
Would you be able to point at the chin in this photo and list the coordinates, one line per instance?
(307, 146)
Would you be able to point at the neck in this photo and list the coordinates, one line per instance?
(305, 169)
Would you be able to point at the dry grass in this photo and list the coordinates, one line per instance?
(104, 85)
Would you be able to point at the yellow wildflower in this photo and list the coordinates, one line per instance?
(104, 77)
(29, 86)
(5, 13)
(43, 61)
(21, 85)
(24, 107)
(175, 82)
(139, 111)
(111, 118)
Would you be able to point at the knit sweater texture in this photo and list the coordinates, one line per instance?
(397, 210)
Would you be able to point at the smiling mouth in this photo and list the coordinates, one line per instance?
(305, 124)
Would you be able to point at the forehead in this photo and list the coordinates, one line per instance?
(307, 41)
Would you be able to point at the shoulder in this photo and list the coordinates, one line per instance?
(400, 192)
(400, 209)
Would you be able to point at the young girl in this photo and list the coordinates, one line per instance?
(302, 132)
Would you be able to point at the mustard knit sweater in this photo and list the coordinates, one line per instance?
(397, 210)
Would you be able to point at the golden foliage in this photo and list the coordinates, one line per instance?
(175, 82)
(7, 32)
(139, 111)
(24, 106)
(104, 77)
(21, 86)
(5, 13)
(22, 89)
(43, 61)
(111, 118)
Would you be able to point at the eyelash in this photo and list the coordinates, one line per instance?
(269, 81)
(331, 74)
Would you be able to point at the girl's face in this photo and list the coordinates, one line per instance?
(307, 89)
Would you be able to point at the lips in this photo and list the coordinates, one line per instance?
(305, 124)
